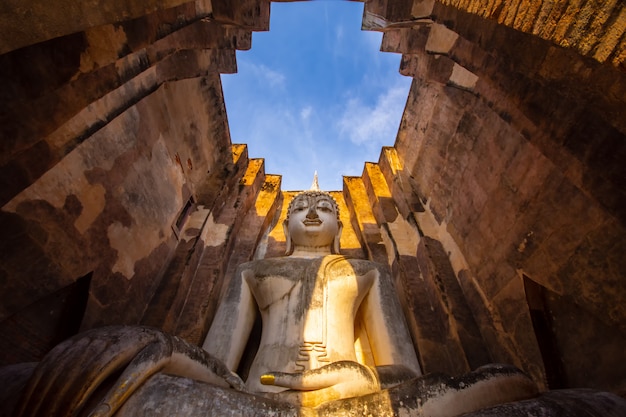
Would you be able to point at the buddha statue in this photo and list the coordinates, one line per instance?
(309, 302)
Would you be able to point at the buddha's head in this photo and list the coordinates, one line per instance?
(312, 223)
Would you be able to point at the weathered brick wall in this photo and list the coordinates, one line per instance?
(513, 145)
(111, 124)
(595, 29)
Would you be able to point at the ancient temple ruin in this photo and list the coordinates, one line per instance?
(500, 210)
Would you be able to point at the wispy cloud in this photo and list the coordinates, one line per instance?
(339, 33)
(373, 40)
(305, 113)
(273, 78)
(375, 125)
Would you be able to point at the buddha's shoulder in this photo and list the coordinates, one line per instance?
(358, 266)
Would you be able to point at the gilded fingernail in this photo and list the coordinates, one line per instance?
(267, 379)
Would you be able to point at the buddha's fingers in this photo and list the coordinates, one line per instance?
(324, 377)
(68, 375)
(300, 382)
(150, 360)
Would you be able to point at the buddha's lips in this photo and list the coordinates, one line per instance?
(315, 222)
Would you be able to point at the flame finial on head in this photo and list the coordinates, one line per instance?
(314, 191)
(315, 186)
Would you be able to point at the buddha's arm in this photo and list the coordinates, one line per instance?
(391, 344)
(233, 322)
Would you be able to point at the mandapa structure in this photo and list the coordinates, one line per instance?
(501, 209)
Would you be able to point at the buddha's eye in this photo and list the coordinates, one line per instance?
(324, 206)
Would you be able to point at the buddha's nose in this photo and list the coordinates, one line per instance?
(312, 213)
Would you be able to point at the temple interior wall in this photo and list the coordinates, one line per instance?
(500, 210)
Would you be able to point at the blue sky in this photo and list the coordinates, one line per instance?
(315, 93)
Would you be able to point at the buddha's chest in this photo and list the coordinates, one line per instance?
(305, 286)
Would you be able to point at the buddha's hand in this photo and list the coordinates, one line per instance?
(132, 354)
(337, 380)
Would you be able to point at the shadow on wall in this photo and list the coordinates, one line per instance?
(578, 348)
(44, 323)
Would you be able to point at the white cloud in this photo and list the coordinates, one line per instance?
(305, 113)
(275, 79)
(285, 137)
(339, 33)
(373, 41)
(376, 125)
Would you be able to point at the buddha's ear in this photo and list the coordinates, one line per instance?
(289, 249)
(337, 239)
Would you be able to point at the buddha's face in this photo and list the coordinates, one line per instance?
(313, 221)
